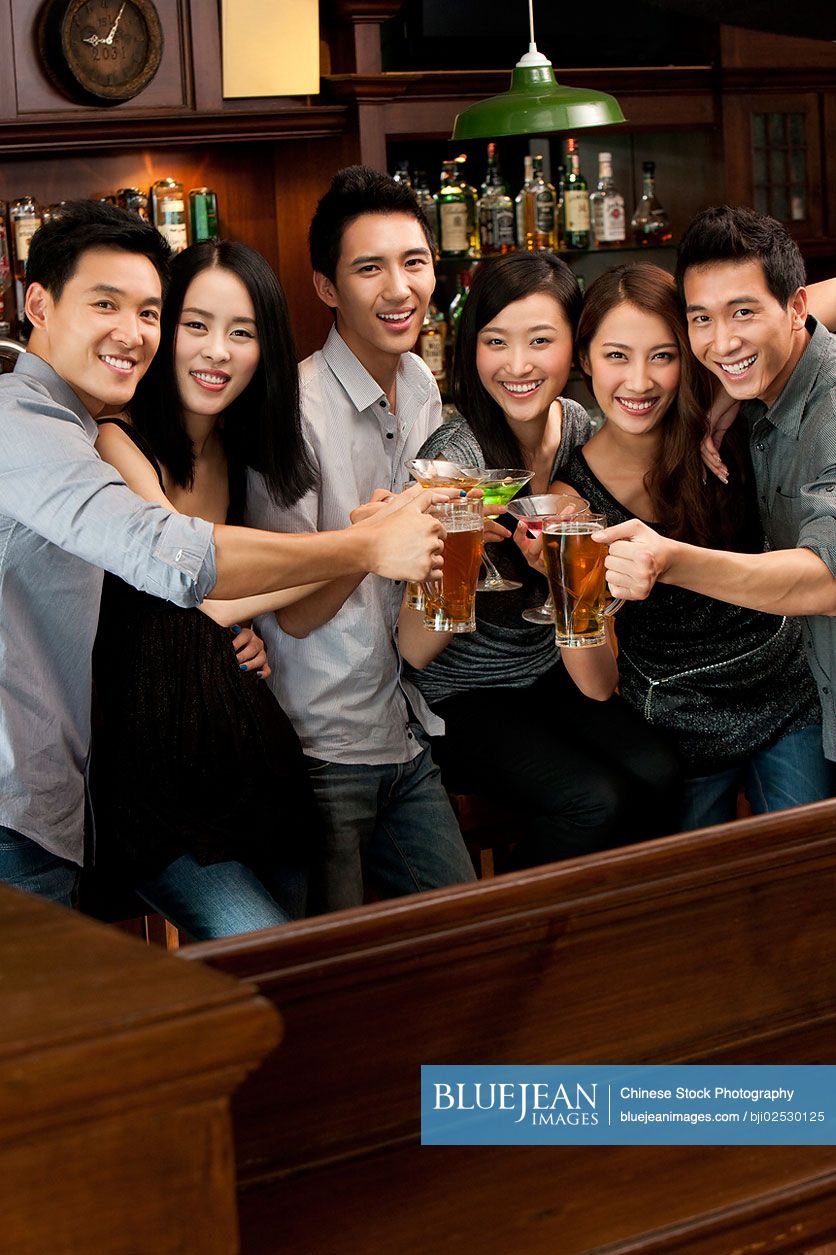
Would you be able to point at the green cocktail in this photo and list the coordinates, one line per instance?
(498, 488)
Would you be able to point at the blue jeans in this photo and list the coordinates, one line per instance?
(28, 866)
(791, 772)
(222, 899)
(392, 822)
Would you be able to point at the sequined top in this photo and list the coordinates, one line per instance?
(724, 681)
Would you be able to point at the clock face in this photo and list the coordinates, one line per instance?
(102, 50)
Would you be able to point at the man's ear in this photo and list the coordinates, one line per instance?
(325, 289)
(798, 309)
(36, 304)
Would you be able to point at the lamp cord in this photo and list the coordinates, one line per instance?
(532, 47)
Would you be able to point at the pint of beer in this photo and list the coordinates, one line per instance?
(450, 603)
(575, 567)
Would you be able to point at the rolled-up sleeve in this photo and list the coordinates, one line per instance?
(53, 482)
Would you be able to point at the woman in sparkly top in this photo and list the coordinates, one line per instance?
(729, 686)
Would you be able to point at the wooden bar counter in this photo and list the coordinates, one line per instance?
(116, 1067)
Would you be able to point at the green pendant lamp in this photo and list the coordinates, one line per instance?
(536, 103)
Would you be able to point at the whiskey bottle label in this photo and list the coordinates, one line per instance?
(432, 351)
(577, 210)
(454, 230)
(544, 215)
(175, 233)
(503, 227)
(25, 228)
(611, 227)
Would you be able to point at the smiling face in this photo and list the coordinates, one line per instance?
(524, 355)
(740, 331)
(634, 363)
(383, 284)
(102, 332)
(216, 348)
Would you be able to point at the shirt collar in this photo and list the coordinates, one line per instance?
(362, 390)
(787, 413)
(35, 367)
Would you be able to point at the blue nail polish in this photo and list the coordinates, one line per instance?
(462, 492)
(243, 667)
(235, 629)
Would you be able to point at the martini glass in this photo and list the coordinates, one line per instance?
(533, 511)
(498, 488)
(434, 473)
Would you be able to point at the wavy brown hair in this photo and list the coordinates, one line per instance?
(688, 504)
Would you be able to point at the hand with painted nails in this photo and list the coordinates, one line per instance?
(250, 651)
(721, 415)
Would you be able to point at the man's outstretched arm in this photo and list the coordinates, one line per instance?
(782, 581)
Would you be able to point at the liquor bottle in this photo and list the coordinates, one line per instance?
(560, 207)
(203, 214)
(431, 343)
(5, 274)
(650, 224)
(524, 203)
(496, 212)
(471, 200)
(606, 208)
(493, 178)
(575, 200)
(545, 208)
(536, 206)
(454, 313)
(133, 198)
(168, 212)
(453, 235)
(26, 216)
(427, 202)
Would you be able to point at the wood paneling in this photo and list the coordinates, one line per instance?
(712, 947)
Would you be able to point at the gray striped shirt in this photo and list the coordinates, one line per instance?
(64, 515)
(793, 447)
(341, 686)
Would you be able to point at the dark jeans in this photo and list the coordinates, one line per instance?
(582, 775)
(28, 866)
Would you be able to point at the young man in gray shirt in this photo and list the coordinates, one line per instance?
(93, 300)
(368, 404)
(743, 282)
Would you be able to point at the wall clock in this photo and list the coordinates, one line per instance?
(100, 51)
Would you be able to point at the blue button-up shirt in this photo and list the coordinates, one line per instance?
(341, 686)
(793, 447)
(64, 515)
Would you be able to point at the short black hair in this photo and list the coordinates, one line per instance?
(737, 234)
(354, 191)
(262, 428)
(501, 281)
(56, 247)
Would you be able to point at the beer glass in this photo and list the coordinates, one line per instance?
(577, 578)
(450, 602)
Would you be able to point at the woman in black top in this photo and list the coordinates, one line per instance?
(729, 687)
(581, 776)
(200, 791)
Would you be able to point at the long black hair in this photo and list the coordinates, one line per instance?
(262, 428)
(497, 283)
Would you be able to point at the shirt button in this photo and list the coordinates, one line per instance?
(825, 690)
(382, 404)
(760, 447)
(390, 435)
(178, 556)
(409, 734)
